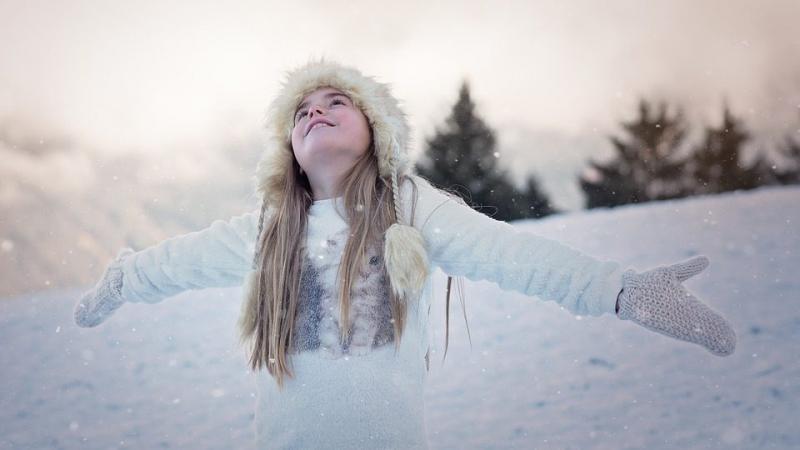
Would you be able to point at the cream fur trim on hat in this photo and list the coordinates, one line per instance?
(389, 124)
(404, 250)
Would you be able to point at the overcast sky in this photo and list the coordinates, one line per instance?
(552, 77)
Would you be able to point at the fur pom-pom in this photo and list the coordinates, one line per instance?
(406, 260)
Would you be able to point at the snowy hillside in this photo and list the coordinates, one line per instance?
(171, 376)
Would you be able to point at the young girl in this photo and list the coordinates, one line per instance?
(336, 268)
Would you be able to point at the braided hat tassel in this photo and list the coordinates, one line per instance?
(404, 250)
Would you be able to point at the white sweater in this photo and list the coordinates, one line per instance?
(364, 394)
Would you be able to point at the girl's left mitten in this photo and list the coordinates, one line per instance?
(657, 300)
(99, 303)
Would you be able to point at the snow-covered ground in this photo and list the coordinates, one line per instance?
(167, 376)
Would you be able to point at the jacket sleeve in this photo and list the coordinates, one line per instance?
(464, 242)
(217, 256)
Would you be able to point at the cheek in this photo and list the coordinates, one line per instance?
(367, 140)
(364, 133)
(297, 151)
(296, 139)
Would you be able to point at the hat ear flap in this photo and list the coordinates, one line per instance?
(272, 172)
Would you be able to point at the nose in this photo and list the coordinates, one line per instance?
(314, 110)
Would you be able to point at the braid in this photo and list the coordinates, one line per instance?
(395, 190)
(395, 197)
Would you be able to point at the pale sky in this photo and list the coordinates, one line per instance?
(552, 77)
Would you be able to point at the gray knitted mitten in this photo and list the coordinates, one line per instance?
(99, 303)
(656, 300)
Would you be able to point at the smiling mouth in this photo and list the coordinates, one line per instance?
(318, 125)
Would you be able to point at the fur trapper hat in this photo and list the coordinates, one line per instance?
(404, 249)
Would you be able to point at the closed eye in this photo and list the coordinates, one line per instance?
(302, 113)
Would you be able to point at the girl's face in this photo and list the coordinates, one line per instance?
(330, 134)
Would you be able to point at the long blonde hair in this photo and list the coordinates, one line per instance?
(267, 321)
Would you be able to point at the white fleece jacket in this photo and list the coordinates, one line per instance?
(363, 394)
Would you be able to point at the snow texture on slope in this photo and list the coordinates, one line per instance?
(171, 375)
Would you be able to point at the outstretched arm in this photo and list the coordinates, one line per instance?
(217, 256)
(462, 241)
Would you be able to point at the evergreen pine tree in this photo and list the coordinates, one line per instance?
(537, 204)
(790, 150)
(462, 156)
(645, 167)
(716, 164)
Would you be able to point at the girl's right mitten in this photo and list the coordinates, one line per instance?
(99, 303)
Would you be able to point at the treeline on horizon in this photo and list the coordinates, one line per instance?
(649, 163)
